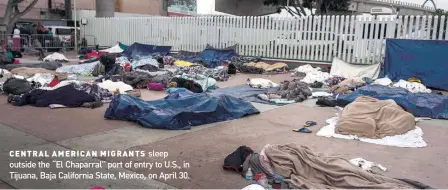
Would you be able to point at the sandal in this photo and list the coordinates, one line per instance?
(309, 124)
(302, 130)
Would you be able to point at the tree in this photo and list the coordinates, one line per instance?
(13, 14)
(299, 10)
(321, 6)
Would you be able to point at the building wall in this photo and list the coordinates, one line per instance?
(150, 7)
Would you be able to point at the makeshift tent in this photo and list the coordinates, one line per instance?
(423, 59)
(141, 50)
(180, 110)
(347, 70)
(420, 104)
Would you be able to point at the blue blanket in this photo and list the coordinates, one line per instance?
(245, 92)
(420, 104)
(179, 110)
(423, 59)
(142, 50)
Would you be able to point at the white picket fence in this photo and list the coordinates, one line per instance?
(355, 39)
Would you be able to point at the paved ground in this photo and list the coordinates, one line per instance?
(203, 148)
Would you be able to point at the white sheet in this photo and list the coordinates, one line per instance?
(312, 74)
(412, 139)
(413, 87)
(347, 70)
(113, 86)
(261, 83)
(114, 49)
(55, 57)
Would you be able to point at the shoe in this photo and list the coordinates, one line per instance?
(10, 98)
(302, 130)
(309, 124)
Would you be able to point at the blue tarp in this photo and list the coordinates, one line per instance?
(420, 104)
(142, 50)
(423, 59)
(179, 110)
(245, 92)
(215, 57)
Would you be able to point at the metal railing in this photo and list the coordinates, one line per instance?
(50, 43)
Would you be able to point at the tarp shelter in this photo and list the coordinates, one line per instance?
(420, 104)
(213, 57)
(141, 50)
(347, 70)
(423, 59)
(179, 110)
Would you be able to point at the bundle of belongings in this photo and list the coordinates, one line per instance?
(262, 67)
(289, 92)
(299, 167)
(56, 57)
(372, 118)
(69, 95)
(311, 74)
(220, 73)
(375, 121)
(180, 110)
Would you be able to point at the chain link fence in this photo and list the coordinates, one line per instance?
(47, 42)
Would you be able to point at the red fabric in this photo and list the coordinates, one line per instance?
(127, 67)
(155, 86)
(16, 61)
(97, 188)
(16, 42)
(54, 82)
(94, 54)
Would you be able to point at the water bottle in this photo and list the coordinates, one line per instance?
(249, 174)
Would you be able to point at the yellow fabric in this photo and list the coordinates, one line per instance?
(413, 79)
(276, 66)
(181, 63)
(267, 67)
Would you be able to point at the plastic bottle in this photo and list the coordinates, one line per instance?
(249, 174)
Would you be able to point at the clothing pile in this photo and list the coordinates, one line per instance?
(240, 61)
(204, 81)
(261, 67)
(312, 74)
(347, 86)
(413, 87)
(219, 73)
(289, 92)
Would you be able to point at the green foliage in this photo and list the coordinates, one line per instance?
(323, 5)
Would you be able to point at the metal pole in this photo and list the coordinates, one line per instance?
(287, 3)
(76, 27)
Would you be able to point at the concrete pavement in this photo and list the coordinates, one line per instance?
(203, 148)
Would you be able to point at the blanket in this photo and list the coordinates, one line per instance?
(373, 118)
(180, 110)
(29, 72)
(304, 168)
(81, 69)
